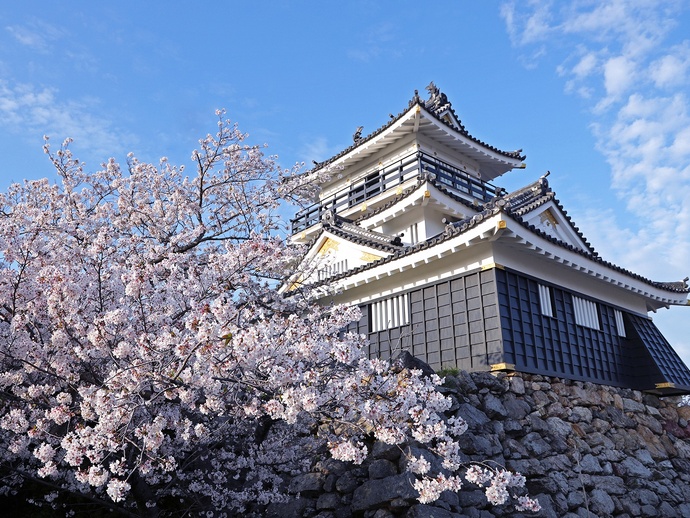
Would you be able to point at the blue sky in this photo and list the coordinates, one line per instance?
(596, 91)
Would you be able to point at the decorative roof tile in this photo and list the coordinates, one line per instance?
(347, 229)
(528, 198)
(435, 105)
(438, 105)
(495, 206)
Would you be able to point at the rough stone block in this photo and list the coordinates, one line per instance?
(373, 493)
(601, 503)
(493, 407)
(382, 468)
(328, 501)
(308, 484)
(347, 483)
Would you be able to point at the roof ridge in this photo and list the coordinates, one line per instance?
(531, 196)
(459, 227)
(349, 229)
(430, 106)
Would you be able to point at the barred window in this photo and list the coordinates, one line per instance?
(331, 269)
(586, 313)
(546, 301)
(620, 325)
(389, 313)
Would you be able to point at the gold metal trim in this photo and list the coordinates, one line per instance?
(502, 367)
(665, 385)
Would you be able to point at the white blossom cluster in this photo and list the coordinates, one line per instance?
(146, 356)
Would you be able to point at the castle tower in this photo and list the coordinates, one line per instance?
(410, 226)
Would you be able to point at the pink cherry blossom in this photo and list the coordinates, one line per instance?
(148, 355)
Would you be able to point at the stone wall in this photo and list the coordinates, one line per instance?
(587, 451)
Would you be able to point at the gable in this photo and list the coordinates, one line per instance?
(329, 255)
(550, 219)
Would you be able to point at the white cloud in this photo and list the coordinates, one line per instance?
(680, 148)
(585, 66)
(527, 25)
(619, 73)
(29, 110)
(621, 56)
(671, 70)
(37, 35)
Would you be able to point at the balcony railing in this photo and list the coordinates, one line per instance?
(390, 177)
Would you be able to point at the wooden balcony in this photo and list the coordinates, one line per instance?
(388, 178)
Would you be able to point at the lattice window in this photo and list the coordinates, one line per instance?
(389, 313)
(586, 313)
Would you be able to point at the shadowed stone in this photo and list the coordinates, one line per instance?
(373, 493)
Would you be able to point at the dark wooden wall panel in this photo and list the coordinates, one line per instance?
(453, 324)
(494, 316)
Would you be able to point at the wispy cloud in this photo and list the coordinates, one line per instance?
(30, 110)
(318, 149)
(615, 55)
(618, 55)
(378, 41)
(37, 35)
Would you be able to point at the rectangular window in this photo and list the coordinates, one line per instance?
(389, 313)
(546, 301)
(586, 313)
(620, 325)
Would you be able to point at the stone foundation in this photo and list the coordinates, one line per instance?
(587, 451)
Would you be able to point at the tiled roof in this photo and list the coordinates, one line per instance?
(503, 204)
(346, 229)
(423, 177)
(433, 110)
(437, 104)
(530, 197)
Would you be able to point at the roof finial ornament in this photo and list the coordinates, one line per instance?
(437, 99)
(358, 134)
(543, 182)
(328, 217)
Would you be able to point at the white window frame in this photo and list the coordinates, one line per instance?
(546, 300)
(389, 313)
(332, 268)
(414, 234)
(586, 313)
(620, 324)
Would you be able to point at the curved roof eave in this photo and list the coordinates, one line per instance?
(462, 227)
(409, 117)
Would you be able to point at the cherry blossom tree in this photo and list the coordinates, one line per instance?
(149, 364)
